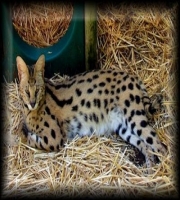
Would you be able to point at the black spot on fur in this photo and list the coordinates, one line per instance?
(37, 126)
(53, 134)
(102, 84)
(75, 118)
(130, 86)
(111, 100)
(94, 86)
(132, 79)
(47, 110)
(91, 129)
(46, 139)
(75, 108)
(108, 80)
(53, 117)
(138, 112)
(80, 81)
(131, 97)
(89, 91)
(153, 133)
(122, 73)
(128, 138)
(107, 110)
(149, 140)
(126, 122)
(97, 103)
(105, 103)
(138, 86)
(57, 121)
(125, 77)
(123, 88)
(124, 130)
(143, 112)
(139, 132)
(137, 98)
(82, 102)
(61, 142)
(102, 116)
(89, 80)
(143, 123)
(95, 117)
(78, 92)
(117, 98)
(118, 90)
(118, 129)
(46, 124)
(37, 138)
(95, 76)
(133, 125)
(118, 82)
(79, 126)
(100, 92)
(129, 118)
(115, 74)
(41, 146)
(52, 148)
(138, 142)
(40, 131)
(106, 91)
(88, 104)
(102, 72)
(85, 117)
(90, 117)
(127, 103)
(125, 111)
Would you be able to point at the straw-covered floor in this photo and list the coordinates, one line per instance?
(139, 40)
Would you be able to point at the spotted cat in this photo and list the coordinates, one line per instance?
(101, 101)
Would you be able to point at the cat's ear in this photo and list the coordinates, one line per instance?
(39, 66)
(23, 72)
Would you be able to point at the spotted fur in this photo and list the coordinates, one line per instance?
(101, 102)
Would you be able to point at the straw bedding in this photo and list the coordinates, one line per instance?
(139, 40)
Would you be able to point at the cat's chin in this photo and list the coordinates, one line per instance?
(32, 108)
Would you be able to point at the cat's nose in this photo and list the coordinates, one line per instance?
(33, 104)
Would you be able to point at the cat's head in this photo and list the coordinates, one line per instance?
(32, 88)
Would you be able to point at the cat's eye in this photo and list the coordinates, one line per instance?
(36, 92)
(28, 93)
